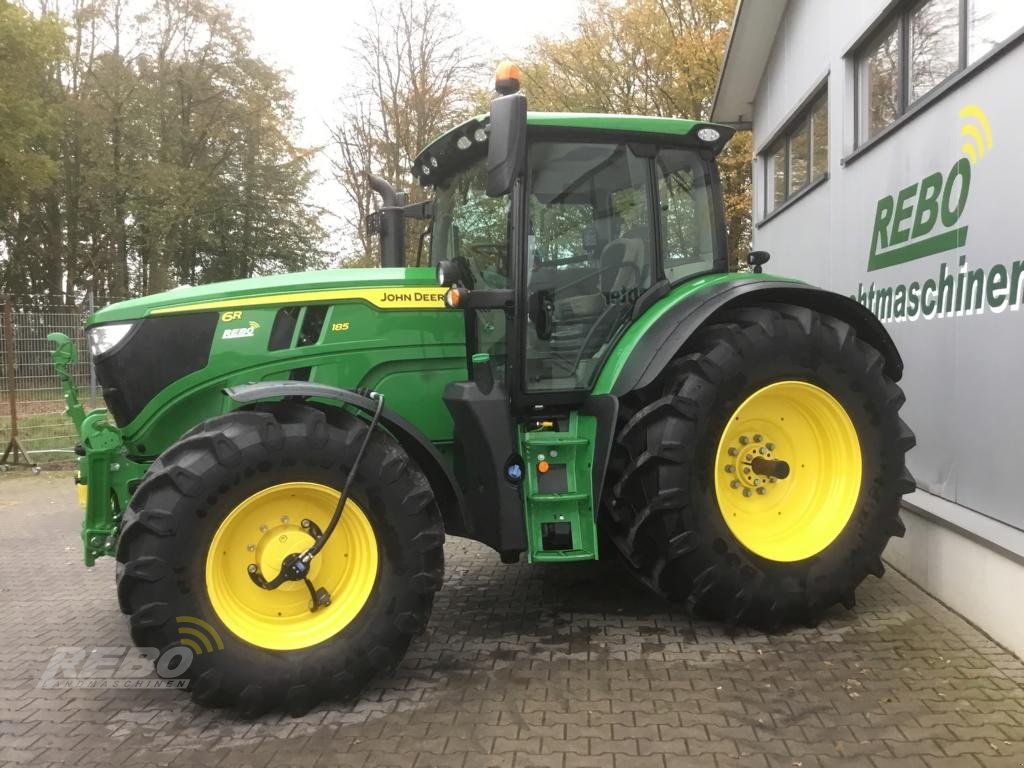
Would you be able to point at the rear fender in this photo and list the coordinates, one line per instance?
(667, 335)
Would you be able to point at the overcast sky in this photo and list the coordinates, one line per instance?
(308, 38)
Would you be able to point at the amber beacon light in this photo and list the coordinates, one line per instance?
(507, 78)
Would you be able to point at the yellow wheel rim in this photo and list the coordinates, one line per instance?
(264, 529)
(794, 426)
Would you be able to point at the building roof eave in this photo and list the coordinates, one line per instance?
(754, 28)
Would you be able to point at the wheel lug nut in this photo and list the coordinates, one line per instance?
(263, 529)
(253, 568)
(750, 457)
(770, 446)
(251, 547)
(762, 491)
(746, 470)
(744, 440)
(733, 452)
(285, 519)
(758, 438)
(734, 484)
(746, 492)
(729, 468)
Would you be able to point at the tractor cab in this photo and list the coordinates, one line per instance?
(600, 217)
(554, 233)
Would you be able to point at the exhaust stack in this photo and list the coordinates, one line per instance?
(388, 221)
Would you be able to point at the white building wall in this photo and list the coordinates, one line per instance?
(964, 375)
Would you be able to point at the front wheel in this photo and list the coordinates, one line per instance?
(245, 491)
(760, 479)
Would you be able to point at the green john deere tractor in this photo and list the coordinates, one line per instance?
(568, 372)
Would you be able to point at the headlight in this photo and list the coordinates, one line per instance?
(447, 274)
(103, 338)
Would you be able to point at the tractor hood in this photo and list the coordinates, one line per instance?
(296, 287)
(174, 353)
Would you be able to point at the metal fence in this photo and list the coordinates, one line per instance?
(33, 427)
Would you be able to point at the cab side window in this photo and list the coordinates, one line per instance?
(686, 219)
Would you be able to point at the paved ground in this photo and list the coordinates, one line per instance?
(526, 666)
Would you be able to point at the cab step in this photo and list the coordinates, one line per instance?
(558, 490)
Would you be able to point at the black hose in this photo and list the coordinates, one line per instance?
(321, 540)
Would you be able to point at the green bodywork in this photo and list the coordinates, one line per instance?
(409, 355)
(385, 330)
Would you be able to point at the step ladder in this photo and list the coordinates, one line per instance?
(558, 491)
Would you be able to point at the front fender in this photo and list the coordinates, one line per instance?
(647, 352)
(447, 494)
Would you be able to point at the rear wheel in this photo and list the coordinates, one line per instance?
(760, 478)
(234, 493)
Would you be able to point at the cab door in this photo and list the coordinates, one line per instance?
(590, 254)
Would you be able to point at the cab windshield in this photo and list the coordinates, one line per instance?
(473, 229)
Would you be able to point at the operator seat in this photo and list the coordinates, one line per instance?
(629, 254)
(576, 316)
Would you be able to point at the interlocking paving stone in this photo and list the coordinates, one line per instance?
(571, 666)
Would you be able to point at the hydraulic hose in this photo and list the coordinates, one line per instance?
(321, 540)
(295, 567)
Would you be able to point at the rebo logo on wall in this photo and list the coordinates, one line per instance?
(925, 219)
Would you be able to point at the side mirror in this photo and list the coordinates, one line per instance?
(506, 147)
(757, 259)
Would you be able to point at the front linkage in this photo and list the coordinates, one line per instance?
(105, 472)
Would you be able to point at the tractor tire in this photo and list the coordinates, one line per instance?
(697, 502)
(234, 491)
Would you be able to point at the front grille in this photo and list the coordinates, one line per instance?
(157, 352)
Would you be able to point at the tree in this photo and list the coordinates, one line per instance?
(30, 51)
(647, 57)
(166, 154)
(412, 81)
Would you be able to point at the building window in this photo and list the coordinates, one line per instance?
(919, 47)
(798, 157)
(880, 82)
(989, 23)
(934, 52)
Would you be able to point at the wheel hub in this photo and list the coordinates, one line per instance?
(752, 465)
(275, 544)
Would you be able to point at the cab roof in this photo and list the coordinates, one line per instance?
(464, 143)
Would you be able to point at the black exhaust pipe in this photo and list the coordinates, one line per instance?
(389, 222)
